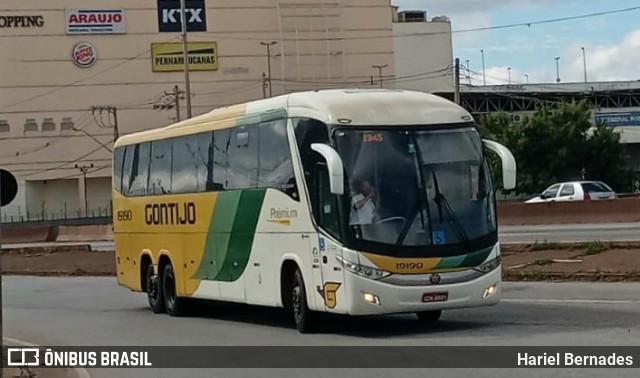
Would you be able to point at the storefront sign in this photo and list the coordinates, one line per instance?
(168, 57)
(170, 15)
(84, 55)
(21, 21)
(95, 21)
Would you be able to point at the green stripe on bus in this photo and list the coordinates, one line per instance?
(450, 262)
(220, 228)
(476, 258)
(241, 239)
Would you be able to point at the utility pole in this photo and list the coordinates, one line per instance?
(171, 101)
(468, 72)
(557, 69)
(264, 85)
(185, 55)
(509, 69)
(484, 71)
(457, 81)
(269, 44)
(584, 61)
(380, 71)
(84, 169)
(111, 110)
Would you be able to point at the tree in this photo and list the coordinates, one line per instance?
(558, 144)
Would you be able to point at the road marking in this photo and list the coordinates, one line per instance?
(80, 371)
(581, 301)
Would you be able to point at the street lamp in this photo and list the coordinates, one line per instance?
(557, 69)
(185, 55)
(509, 70)
(527, 76)
(269, 44)
(484, 72)
(584, 61)
(380, 71)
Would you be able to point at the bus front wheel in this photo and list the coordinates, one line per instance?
(173, 304)
(306, 321)
(154, 290)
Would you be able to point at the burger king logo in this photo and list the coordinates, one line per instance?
(84, 55)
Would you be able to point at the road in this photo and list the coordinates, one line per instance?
(603, 232)
(95, 311)
(508, 234)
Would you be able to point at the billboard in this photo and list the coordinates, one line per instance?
(95, 21)
(170, 15)
(619, 119)
(168, 57)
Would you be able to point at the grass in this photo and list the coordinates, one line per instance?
(593, 248)
(541, 262)
(546, 245)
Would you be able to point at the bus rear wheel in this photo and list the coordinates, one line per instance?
(154, 290)
(429, 316)
(306, 321)
(173, 304)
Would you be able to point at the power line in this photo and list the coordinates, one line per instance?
(127, 60)
(67, 163)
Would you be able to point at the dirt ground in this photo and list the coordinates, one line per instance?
(532, 262)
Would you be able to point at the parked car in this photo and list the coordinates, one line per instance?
(575, 191)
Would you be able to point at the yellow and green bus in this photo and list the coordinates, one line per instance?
(343, 201)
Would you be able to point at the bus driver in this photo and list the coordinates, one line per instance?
(362, 206)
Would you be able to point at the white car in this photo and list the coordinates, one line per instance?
(575, 191)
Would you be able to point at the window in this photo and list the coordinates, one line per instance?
(221, 144)
(551, 192)
(140, 169)
(275, 168)
(203, 159)
(567, 190)
(184, 165)
(4, 126)
(126, 168)
(160, 177)
(591, 187)
(309, 131)
(118, 162)
(243, 163)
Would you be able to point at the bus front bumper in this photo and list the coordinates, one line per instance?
(369, 297)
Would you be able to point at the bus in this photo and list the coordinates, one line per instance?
(353, 202)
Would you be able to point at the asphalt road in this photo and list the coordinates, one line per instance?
(95, 311)
(603, 232)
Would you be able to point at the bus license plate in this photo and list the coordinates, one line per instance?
(435, 297)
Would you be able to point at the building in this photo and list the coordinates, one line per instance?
(77, 73)
(616, 103)
(423, 52)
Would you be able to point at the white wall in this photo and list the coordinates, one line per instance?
(418, 58)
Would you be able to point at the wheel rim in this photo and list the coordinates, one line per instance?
(169, 292)
(152, 287)
(295, 302)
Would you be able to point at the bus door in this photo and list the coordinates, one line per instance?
(329, 278)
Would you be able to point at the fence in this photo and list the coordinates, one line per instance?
(20, 215)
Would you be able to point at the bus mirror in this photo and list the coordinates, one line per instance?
(334, 166)
(508, 163)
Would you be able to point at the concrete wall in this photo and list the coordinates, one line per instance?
(40, 81)
(424, 61)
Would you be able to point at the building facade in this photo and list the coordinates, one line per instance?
(76, 74)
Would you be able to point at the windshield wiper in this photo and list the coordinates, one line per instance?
(442, 203)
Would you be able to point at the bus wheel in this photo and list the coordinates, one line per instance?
(429, 316)
(172, 303)
(154, 290)
(306, 321)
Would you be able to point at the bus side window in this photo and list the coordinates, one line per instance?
(243, 158)
(220, 159)
(118, 164)
(140, 169)
(127, 166)
(274, 160)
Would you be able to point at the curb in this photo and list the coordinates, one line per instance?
(80, 371)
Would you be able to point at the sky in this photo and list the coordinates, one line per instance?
(611, 42)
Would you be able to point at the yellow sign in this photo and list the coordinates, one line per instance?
(168, 57)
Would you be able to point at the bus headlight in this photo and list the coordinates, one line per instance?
(488, 266)
(364, 271)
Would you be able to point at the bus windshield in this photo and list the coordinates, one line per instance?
(417, 187)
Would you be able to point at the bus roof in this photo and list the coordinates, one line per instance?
(347, 107)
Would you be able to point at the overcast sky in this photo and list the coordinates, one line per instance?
(611, 42)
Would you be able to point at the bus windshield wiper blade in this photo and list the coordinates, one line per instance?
(442, 203)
